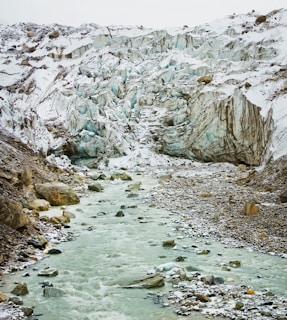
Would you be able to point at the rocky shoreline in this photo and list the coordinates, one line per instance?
(211, 203)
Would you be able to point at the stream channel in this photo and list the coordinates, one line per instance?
(111, 251)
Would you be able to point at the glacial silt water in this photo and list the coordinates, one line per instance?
(112, 251)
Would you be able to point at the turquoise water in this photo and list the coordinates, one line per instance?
(111, 251)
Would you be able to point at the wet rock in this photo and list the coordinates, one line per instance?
(52, 292)
(239, 305)
(120, 214)
(46, 284)
(16, 300)
(49, 272)
(57, 194)
(28, 311)
(68, 214)
(39, 243)
(132, 195)
(169, 243)
(54, 251)
(134, 186)
(154, 281)
(21, 289)
(203, 252)
(96, 187)
(235, 264)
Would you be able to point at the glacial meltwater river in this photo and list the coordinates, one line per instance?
(111, 251)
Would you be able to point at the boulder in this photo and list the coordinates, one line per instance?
(49, 272)
(11, 213)
(95, 187)
(154, 281)
(58, 194)
(21, 289)
(205, 79)
(39, 205)
(55, 34)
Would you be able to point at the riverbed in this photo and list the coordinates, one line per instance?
(110, 251)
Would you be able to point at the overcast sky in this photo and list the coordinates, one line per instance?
(149, 13)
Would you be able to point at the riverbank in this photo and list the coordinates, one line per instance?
(213, 198)
(206, 201)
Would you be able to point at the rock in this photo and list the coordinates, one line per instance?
(169, 243)
(16, 300)
(205, 79)
(30, 34)
(49, 272)
(202, 297)
(134, 186)
(39, 205)
(260, 19)
(28, 311)
(202, 252)
(132, 195)
(46, 283)
(54, 251)
(251, 209)
(52, 292)
(3, 297)
(58, 194)
(209, 280)
(235, 264)
(11, 213)
(55, 34)
(21, 289)
(120, 176)
(154, 281)
(39, 243)
(68, 214)
(283, 196)
(120, 214)
(59, 220)
(239, 305)
(95, 187)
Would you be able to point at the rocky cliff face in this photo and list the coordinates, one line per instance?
(214, 92)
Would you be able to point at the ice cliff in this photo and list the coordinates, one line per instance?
(216, 92)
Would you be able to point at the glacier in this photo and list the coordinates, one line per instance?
(215, 92)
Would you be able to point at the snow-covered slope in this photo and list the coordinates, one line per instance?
(215, 92)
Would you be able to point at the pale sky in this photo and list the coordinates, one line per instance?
(149, 13)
